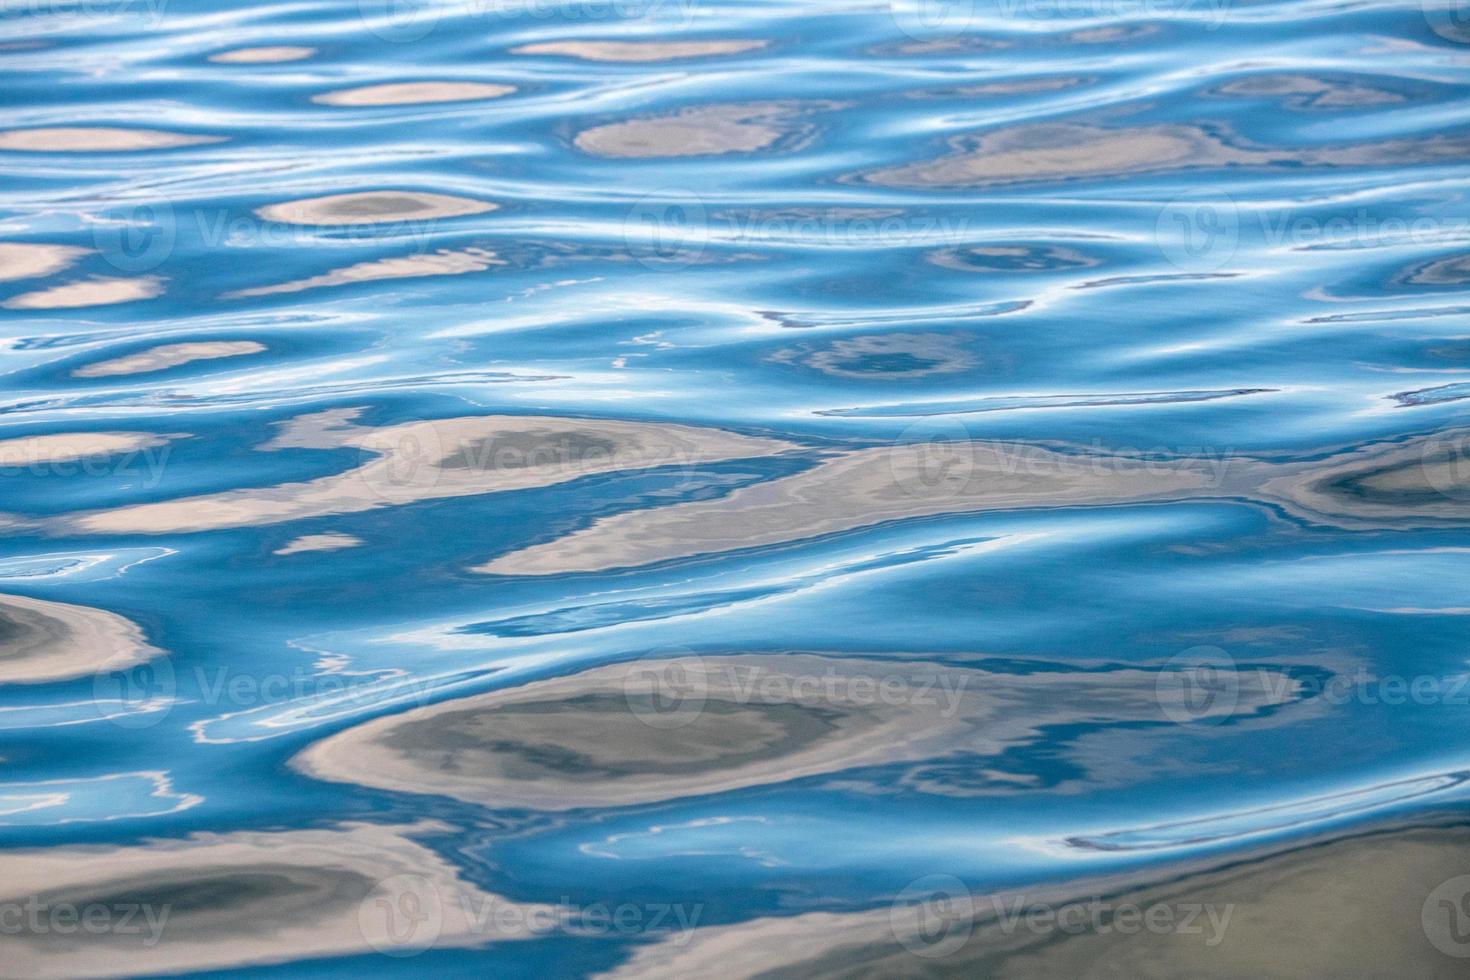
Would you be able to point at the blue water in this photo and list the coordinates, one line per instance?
(694, 489)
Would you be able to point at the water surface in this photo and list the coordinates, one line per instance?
(686, 488)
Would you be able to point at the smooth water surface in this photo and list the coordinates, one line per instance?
(693, 488)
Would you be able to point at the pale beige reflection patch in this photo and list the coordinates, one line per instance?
(95, 139)
(433, 460)
(1417, 483)
(27, 260)
(168, 356)
(216, 901)
(1364, 902)
(1423, 482)
(66, 447)
(701, 131)
(858, 489)
(639, 50)
(98, 291)
(413, 93)
(1307, 92)
(1041, 152)
(263, 56)
(331, 541)
(444, 262)
(48, 641)
(1054, 151)
(608, 736)
(372, 207)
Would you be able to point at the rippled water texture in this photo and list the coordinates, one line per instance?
(676, 488)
